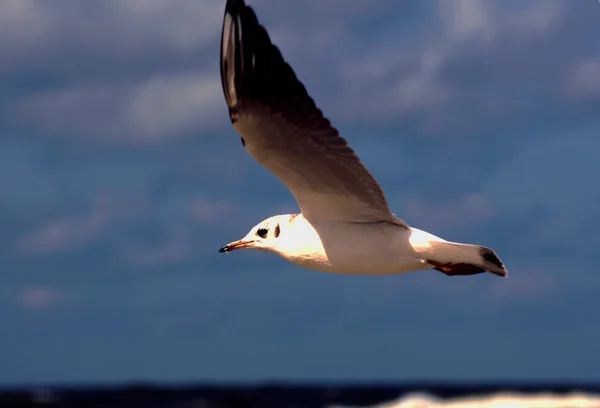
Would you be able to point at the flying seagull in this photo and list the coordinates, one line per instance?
(345, 224)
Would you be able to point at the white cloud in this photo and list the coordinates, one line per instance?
(178, 243)
(72, 232)
(175, 248)
(65, 233)
(534, 17)
(31, 30)
(185, 24)
(465, 19)
(416, 75)
(382, 85)
(422, 89)
(584, 82)
(78, 110)
(173, 104)
(203, 209)
(162, 107)
(21, 22)
(39, 297)
(407, 71)
(486, 20)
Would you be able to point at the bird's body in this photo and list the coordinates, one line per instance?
(380, 248)
(345, 224)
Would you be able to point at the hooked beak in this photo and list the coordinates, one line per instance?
(240, 244)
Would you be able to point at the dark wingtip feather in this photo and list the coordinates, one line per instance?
(236, 7)
(491, 257)
(241, 37)
(253, 68)
(229, 44)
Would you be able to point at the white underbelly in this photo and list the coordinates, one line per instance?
(357, 251)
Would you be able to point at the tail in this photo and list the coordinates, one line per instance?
(456, 259)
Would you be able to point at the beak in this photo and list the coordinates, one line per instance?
(240, 244)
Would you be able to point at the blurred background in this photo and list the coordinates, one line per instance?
(121, 176)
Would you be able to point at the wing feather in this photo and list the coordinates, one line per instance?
(286, 132)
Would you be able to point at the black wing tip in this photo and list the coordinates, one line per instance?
(253, 67)
(491, 257)
(244, 20)
(239, 8)
(237, 20)
(234, 5)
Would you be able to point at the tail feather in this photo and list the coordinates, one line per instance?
(455, 259)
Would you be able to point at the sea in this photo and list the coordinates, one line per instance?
(288, 395)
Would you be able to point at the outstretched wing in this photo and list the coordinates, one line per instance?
(285, 131)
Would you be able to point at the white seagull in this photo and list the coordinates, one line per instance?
(345, 224)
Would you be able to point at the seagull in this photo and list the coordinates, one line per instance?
(345, 225)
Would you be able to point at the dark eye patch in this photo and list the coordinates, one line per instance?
(277, 231)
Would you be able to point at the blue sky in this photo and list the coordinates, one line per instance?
(121, 176)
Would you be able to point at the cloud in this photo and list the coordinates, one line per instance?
(40, 297)
(484, 21)
(584, 82)
(116, 71)
(159, 80)
(34, 31)
(162, 107)
(174, 104)
(473, 66)
(177, 237)
(175, 248)
(204, 209)
(478, 118)
(66, 233)
(467, 19)
(69, 233)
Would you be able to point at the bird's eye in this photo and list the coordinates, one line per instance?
(262, 232)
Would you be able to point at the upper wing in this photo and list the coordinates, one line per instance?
(286, 132)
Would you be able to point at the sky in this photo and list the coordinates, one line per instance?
(121, 176)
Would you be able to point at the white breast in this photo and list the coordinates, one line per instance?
(351, 248)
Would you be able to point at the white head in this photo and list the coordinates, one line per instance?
(263, 236)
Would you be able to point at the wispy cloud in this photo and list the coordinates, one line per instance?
(204, 209)
(478, 117)
(176, 247)
(72, 232)
(177, 237)
(66, 233)
(584, 82)
(453, 64)
(33, 31)
(152, 89)
(485, 21)
(40, 297)
(162, 107)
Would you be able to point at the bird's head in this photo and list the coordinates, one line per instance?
(263, 236)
